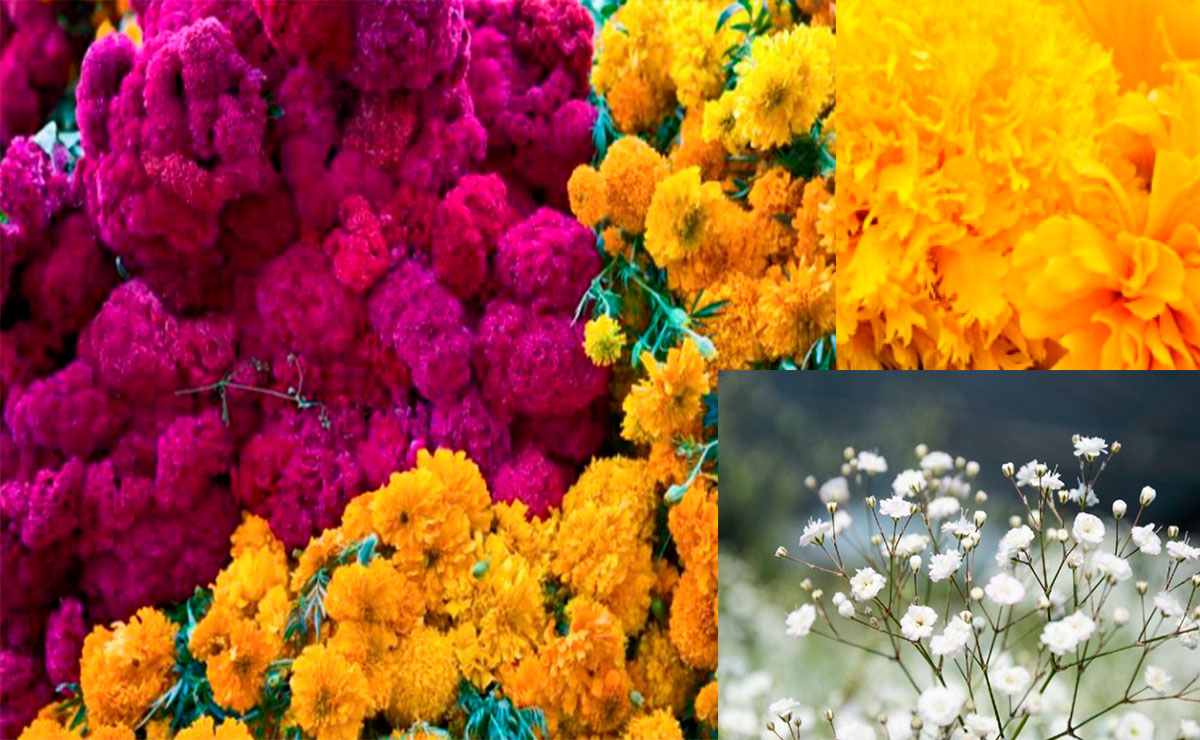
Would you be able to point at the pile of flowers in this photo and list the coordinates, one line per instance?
(1067, 625)
(433, 612)
(290, 245)
(711, 190)
(1022, 184)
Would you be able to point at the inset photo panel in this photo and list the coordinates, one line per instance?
(911, 556)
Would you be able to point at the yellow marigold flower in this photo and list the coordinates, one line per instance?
(589, 199)
(617, 482)
(682, 218)
(734, 327)
(427, 685)
(406, 507)
(205, 729)
(693, 525)
(698, 49)
(1144, 37)
(373, 648)
(636, 105)
(603, 340)
(945, 202)
(465, 487)
(252, 534)
(125, 668)
(694, 621)
(694, 150)
(661, 725)
(320, 552)
(631, 170)
(238, 672)
(46, 728)
(210, 636)
(795, 308)
(670, 400)
(706, 704)
(329, 694)
(784, 85)
(247, 579)
(110, 732)
(601, 555)
(533, 539)
(633, 60)
(357, 523)
(665, 465)
(721, 124)
(660, 675)
(775, 192)
(374, 593)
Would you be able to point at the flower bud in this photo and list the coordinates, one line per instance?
(870, 502)
(1116, 447)
(979, 624)
(1063, 495)
(917, 724)
(922, 450)
(1148, 496)
(1043, 603)
(966, 616)
(817, 594)
(832, 507)
(1075, 559)
(1041, 469)
(1120, 616)
(980, 518)
(1009, 469)
(960, 462)
(846, 609)
(1119, 508)
(771, 726)
(1014, 521)
(1172, 531)
(828, 715)
(1141, 587)
(781, 552)
(977, 594)
(972, 469)
(806, 584)
(846, 470)
(1063, 535)
(810, 482)
(914, 563)
(1035, 518)
(848, 453)
(981, 497)
(1196, 581)
(876, 540)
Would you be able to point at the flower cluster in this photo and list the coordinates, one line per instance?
(291, 244)
(430, 610)
(1065, 620)
(713, 201)
(1022, 181)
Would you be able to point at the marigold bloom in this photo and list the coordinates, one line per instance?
(532, 538)
(784, 85)
(125, 668)
(329, 694)
(694, 150)
(734, 327)
(660, 724)
(427, 683)
(205, 729)
(633, 61)
(682, 220)
(374, 593)
(795, 308)
(698, 49)
(465, 487)
(693, 525)
(669, 401)
(621, 483)
(694, 621)
(372, 646)
(706, 704)
(631, 170)
(46, 728)
(319, 552)
(660, 675)
(586, 191)
(603, 340)
(1143, 36)
(238, 672)
(246, 580)
(252, 534)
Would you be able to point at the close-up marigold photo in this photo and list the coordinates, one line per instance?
(1022, 184)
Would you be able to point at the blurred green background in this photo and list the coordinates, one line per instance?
(777, 428)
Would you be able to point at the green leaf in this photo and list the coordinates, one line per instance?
(726, 14)
(274, 111)
(3, 218)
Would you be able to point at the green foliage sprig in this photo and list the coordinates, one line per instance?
(310, 607)
(490, 716)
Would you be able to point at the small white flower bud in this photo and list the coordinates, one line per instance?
(914, 563)
(981, 497)
(832, 507)
(828, 715)
(980, 518)
(1043, 603)
(1119, 508)
(1009, 469)
(876, 540)
(1063, 495)
(1172, 531)
(781, 552)
(922, 450)
(1196, 580)
(972, 469)
(1041, 469)
(771, 726)
(1063, 535)
(846, 609)
(1014, 521)
(817, 594)
(966, 616)
(882, 719)
(848, 453)
(979, 623)
(917, 724)
(1120, 616)
(1116, 447)
(806, 584)
(1075, 439)
(846, 470)
(977, 594)
(960, 462)
(810, 482)
(1075, 559)
(967, 544)
(1148, 495)
(870, 502)
(1141, 587)
(1196, 613)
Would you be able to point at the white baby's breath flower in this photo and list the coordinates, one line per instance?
(1014, 540)
(1158, 680)
(943, 507)
(939, 705)
(866, 583)
(846, 609)
(1189, 729)
(1083, 492)
(871, 463)
(1147, 496)
(1088, 529)
(854, 731)
(1090, 447)
(917, 623)
(1112, 566)
(961, 528)
(1065, 635)
(1182, 550)
(839, 598)
(1027, 473)
(1004, 590)
(1165, 602)
(909, 482)
(783, 708)
(937, 462)
(896, 507)
(905, 547)
(800, 621)
(1011, 680)
(1146, 540)
(1134, 726)
(841, 521)
(953, 638)
(815, 531)
(1120, 616)
(1189, 633)
(944, 565)
(978, 727)
(835, 489)
(1083, 625)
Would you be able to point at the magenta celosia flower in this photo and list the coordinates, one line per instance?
(67, 412)
(547, 261)
(65, 631)
(533, 478)
(35, 64)
(23, 691)
(470, 221)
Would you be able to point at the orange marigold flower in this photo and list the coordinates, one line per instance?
(682, 219)
(698, 51)
(660, 725)
(532, 538)
(126, 667)
(205, 729)
(614, 241)
(660, 675)
(775, 192)
(694, 150)
(427, 684)
(238, 672)
(633, 60)
(372, 647)
(665, 465)
(319, 553)
(631, 169)
(589, 199)
(111, 732)
(252, 534)
(374, 593)
(247, 579)
(329, 694)
(46, 728)
(734, 326)
(694, 621)
(465, 486)
(795, 308)
(706, 704)
(357, 523)
(273, 611)
(693, 525)
(669, 401)
(620, 483)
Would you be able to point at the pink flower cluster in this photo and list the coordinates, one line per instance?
(305, 239)
(36, 54)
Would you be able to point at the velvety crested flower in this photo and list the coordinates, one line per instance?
(426, 686)
(329, 693)
(533, 478)
(65, 632)
(669, 401)
(125, 668)
(471, 219)
(35, 63)
(546, 262)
